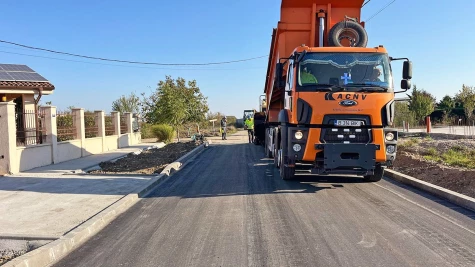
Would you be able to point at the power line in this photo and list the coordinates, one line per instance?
(105, 64)
(380, 10)
(131, 62)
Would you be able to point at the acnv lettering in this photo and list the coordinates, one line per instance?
(351, 96)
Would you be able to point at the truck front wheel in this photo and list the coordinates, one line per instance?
(286, 173)
(377, 176)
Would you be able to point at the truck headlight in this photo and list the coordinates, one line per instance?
(297, 147)
(390, 149)
(389, 136)
(298, 135)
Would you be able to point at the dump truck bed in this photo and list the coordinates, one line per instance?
(299, 25)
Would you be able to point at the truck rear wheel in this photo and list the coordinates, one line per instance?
(350, 30)
(276, 148)
(269, 153)
(377, 176)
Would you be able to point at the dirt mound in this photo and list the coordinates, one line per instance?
(151, 161)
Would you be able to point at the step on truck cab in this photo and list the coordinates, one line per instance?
(329, 98)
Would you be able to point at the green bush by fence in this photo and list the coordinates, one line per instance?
(163, 133)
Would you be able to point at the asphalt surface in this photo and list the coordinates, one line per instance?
(230, 208)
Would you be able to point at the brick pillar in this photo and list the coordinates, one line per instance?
(101, 127)
(78, 123)
(116, 122)
(51, 131)
(8, 158)
(128, 121)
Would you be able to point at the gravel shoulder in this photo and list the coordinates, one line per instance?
(440, 161)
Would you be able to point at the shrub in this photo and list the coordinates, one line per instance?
(163, 133)
(146, 131)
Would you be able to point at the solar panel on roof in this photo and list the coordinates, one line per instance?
(13, 72)
(14, 67)
(5, 76)
(27, 76)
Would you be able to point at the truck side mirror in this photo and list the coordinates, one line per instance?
(407, 70)
(279, 69)
(405, 84)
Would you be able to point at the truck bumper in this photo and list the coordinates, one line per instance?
(357, 159)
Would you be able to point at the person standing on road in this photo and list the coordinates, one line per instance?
(223, 128)
(250, 128)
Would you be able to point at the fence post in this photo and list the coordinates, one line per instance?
(8, 158)
(428, 126)
(78, 123)
(101, 127)
(128, 121)
(129, 131)
(51, 129)
(116, 122)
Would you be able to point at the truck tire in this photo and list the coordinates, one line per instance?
(337, 32)
(286, 173)
(266, 145)
(377, 176)
(276, 148)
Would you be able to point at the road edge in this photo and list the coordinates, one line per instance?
(53, 252)
(452, 196)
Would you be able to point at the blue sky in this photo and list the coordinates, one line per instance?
(435, 36)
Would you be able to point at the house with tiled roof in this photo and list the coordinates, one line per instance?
(24, 87)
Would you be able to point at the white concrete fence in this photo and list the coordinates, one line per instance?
(30, 139)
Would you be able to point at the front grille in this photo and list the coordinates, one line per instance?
(345, 135)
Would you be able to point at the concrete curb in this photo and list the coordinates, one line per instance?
(454, 197)
(53, 252)
(176, 165)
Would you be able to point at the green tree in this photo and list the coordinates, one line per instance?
(421, 103)
(466, 96)
(447, 104)
(403, 114)
(176, 103)
(130, 103)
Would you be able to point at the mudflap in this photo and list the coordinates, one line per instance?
(355, 159)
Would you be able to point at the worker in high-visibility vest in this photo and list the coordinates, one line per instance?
(250, 128)
(223, 129)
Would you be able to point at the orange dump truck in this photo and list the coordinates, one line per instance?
(329, 98)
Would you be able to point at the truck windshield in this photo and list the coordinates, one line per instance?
(353, 71)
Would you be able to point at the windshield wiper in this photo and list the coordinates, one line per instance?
(325, 87)
(368, 87)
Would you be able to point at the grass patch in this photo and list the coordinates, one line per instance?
(410, 142)
(456, 156)
(431, 154)
(460, 158)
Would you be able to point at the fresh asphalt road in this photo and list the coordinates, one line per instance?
(229, 208)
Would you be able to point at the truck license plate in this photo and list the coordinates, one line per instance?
(347, 123)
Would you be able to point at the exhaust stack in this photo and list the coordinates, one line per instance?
(321, 27)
